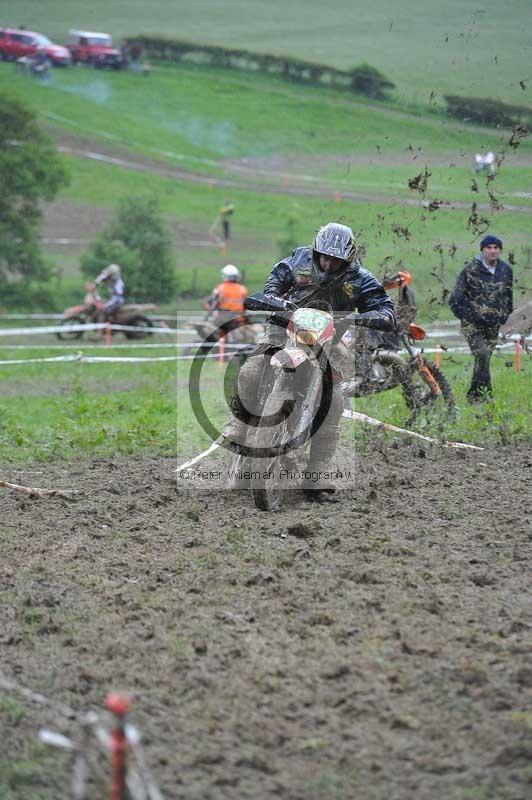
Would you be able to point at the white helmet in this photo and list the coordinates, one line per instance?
(112, 271)
(230, 273)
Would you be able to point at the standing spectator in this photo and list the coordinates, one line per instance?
(225, 214)
(482, 299)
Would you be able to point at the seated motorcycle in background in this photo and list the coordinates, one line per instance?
(90, 311)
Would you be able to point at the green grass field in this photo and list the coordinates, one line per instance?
(198, 118)
(160, 595)
(209, 122)
(53, 410)
(461, 47)
(507, 418)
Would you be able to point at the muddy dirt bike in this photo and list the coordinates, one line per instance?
(394, 360)
(293, 396)
(129, 314)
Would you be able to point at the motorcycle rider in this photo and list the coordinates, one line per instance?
(226, 303)
(111, 275)
(326, 271)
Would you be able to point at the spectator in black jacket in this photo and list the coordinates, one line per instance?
(482, 299)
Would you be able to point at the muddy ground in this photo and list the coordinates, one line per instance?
(380, 647)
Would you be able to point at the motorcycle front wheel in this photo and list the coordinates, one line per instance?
(270, 442)
(70, 335)
(420, 395)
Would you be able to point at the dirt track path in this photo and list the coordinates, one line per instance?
(377, 648)
(277, 185)
(262, 177)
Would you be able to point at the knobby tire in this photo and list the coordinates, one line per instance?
(268, 441)
(69, 335)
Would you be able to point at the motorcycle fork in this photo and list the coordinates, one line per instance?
(427, 376)
(303, 429)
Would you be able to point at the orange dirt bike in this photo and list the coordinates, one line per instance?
(129, 314)
(390, 360)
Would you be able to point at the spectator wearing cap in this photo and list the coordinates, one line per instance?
(482, 299)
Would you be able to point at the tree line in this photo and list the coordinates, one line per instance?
(32, 171)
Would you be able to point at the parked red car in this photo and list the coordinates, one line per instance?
(15, 43)
(88, 47)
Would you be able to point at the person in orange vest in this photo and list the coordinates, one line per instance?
(226, 303)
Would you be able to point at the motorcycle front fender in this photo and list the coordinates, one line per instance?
(74, 311)
(289, 358)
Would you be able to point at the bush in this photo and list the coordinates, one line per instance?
(486, 112)
(26, 297)
(367, 80)
(363, 79)
(138, 241)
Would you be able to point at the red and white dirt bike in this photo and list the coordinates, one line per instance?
(88, 312)
(293, 397)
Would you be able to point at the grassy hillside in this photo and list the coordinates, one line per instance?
(269, 139)
(460, 47)
(187, 111)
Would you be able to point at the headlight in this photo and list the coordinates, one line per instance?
(308, 338)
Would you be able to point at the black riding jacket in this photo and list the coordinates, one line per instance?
(350, 289)
(483, 299)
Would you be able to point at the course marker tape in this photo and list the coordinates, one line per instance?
(61, 316)
(91, 326)
(214, 446)
(356, 417)
(81, 359)
(76, 344)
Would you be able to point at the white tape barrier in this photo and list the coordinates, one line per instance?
(81, 359)
(214, 446)
(113, 346)
(227, 345)
(358, 417)
(508, 346)
(76, 344)
(132, 360)
(170, 317)
(90, 326)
